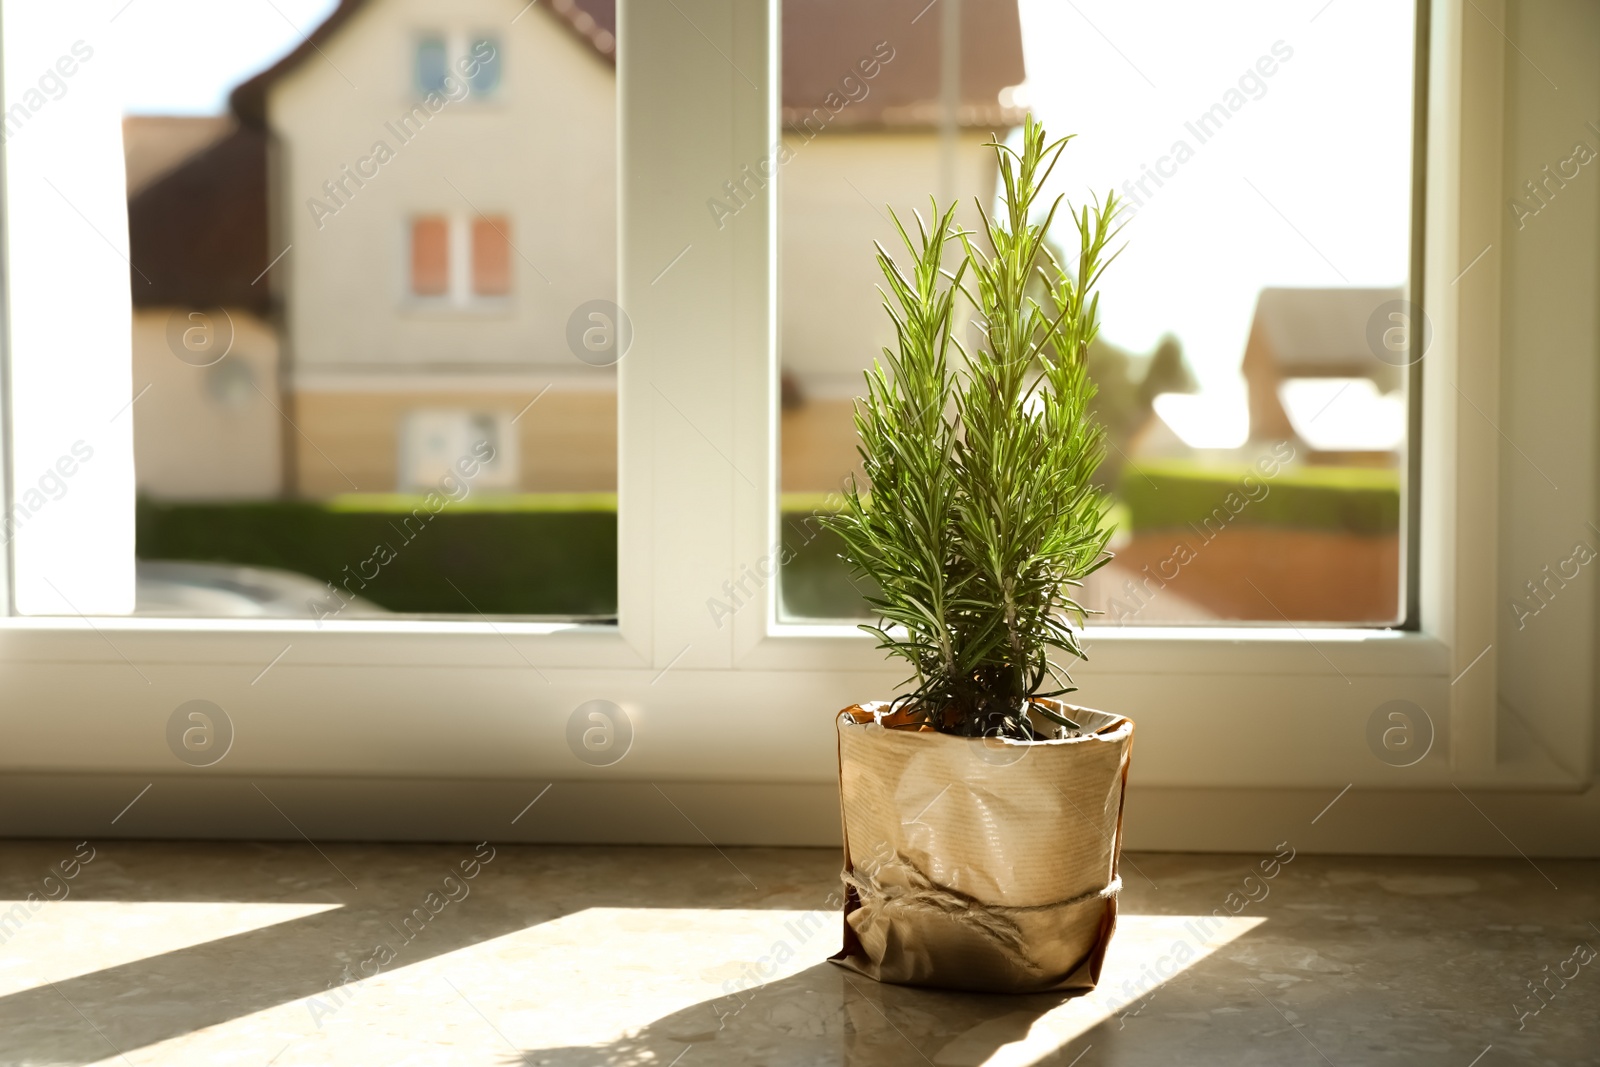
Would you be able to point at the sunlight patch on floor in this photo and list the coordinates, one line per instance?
(641, 985)
(47, 941)
(572, 986)
(1146, 951)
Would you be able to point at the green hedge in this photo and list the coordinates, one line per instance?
(517, 556)
(543, 554)
(556, 554)
(816, 583)
(1182, 493)
(1154, 495)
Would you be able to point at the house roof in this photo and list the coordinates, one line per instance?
(824, 41)
(1314, 333)
(153, 145)
(593, 21)
(198, 233)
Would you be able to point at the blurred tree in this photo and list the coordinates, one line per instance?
(1127, 384)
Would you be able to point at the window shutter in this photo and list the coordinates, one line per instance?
(430, 256)
(491, 255)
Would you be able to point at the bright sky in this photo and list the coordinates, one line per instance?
(190, 53)
(1306, 186)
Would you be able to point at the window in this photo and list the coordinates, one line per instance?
(432, 65)
(422, 357)
(491, 256)
(447, 447)
(444, 62)
(483, 252)
(482, 65)
(1255, 333)
(634, 559)
(430, 256)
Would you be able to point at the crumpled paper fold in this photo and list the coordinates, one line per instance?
(981, 864)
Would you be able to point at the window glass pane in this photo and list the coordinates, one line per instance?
(363, 386)
(491, 255)
(430, 256)
(433, 64)
(1252, 357)
(483, 65)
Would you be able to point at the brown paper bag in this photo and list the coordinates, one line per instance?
(981, 864)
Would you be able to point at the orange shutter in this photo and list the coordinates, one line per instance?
(491, 255)
(430, 256)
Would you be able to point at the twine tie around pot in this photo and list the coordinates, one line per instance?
(910, 889)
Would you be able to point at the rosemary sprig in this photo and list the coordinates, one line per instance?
(982, 520)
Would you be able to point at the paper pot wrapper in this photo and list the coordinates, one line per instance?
(981, 864)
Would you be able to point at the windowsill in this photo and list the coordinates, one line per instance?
(1339, 653)
(399, 626)
(430, 644)
(1297, 708)
(1264, 632)
(500, 307)
(494, 101)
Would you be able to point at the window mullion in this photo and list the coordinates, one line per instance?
(694, 99)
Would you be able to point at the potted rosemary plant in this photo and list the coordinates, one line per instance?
(982, 815)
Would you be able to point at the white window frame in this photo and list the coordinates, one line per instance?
(752, 700)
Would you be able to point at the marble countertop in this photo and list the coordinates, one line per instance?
(290, 954)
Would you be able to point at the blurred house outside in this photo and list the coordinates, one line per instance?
(1300, 337)
(155, 144)
(206, 351)
(1309, 507)
(422, 293)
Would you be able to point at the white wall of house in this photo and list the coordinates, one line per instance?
(206, 432)
(836, 192)
(541, 149)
